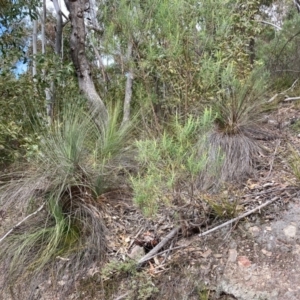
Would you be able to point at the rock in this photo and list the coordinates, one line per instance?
(255, 230)
(232, 255)
(290, 231)
(137, 252)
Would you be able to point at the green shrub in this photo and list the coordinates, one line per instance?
(171, 162)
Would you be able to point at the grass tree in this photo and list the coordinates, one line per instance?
(76, 162)
(237, 131)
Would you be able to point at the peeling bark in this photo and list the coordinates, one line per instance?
(80, 61)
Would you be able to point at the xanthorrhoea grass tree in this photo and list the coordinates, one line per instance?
(238, 106)
(76, 161)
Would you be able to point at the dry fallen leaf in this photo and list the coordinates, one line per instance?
(206, 254)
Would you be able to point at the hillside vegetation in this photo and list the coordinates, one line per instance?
(127, 125)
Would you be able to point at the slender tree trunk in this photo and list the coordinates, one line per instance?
(48, 91)
(80, 61)
(34, 47)
(96, 28)
(43, 22)
(59, 28)
(252, 51)
(128, 89)
(101, 65)
(297, 3)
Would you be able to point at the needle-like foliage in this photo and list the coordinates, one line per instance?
(237, 129)
(172, 162)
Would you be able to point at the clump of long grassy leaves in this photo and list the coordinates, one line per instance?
(76, 162)
(238, 107)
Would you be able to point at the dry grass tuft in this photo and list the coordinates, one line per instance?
(236, 136)
(240, 155)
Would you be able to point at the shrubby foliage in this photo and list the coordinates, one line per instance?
(280, 51)
(172, 162)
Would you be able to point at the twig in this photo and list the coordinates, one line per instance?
(155, 250)
(270, 191)
(135, 237)
(269, 23)
(273, 98)
(168, 250)
(292, 98)
(122, 296)
(283, 93)
(17, 225)
(167, 254)
(239, 217)
(273, 158)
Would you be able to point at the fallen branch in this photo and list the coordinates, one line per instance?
(292, 98)
(239, 217)
(155, 250)
(17, 225)
(269, 191)
(284, 93)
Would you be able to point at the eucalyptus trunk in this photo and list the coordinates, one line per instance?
(48, 91)
(34, 47)
(80, 61)
(128, 88)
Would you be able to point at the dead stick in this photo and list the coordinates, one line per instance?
(239, 217)
(273, 158)
(292, 98)
(155, 250)
(17, 225)
(122, 296)
(268, 191)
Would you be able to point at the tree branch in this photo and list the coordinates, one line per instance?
(239, 217)
(155, 250)
(292, 98)
(283, 93)
(269, 23)
(17, 225)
